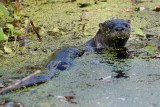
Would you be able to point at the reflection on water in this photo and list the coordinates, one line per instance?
(117, 58)
(120, 74)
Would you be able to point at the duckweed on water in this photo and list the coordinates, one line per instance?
(86, 89)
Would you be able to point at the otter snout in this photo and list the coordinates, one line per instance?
(119, 29)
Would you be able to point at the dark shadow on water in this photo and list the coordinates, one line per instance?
(117, 53)
(120, 74)
(122, 53)
(117, 58)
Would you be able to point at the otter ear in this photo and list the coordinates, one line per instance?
(128, 21)
(101, 25)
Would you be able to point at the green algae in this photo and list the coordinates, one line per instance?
(82, 80)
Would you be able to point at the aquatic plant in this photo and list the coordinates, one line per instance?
(13, 28)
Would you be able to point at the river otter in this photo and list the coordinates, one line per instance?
(112, 33)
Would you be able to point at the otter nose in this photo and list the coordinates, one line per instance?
(119, 29)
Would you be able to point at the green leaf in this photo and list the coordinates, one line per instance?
(17, 16)
(1, 34)
(17, 32)
(56, 30)
(138, 31)
(7, 49)
(150, 49)
(11, 28)
(3, 11)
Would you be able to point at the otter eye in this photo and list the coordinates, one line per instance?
(109, 27)
(126, 25)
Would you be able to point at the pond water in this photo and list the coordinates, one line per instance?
(96, 80)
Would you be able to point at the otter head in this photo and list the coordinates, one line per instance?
(116, 32)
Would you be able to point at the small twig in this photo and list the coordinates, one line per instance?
(23, 43)
(108, 78)
(34, 28)
(17, 6)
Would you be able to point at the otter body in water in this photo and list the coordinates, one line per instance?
(112, 33)
(63, 59)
